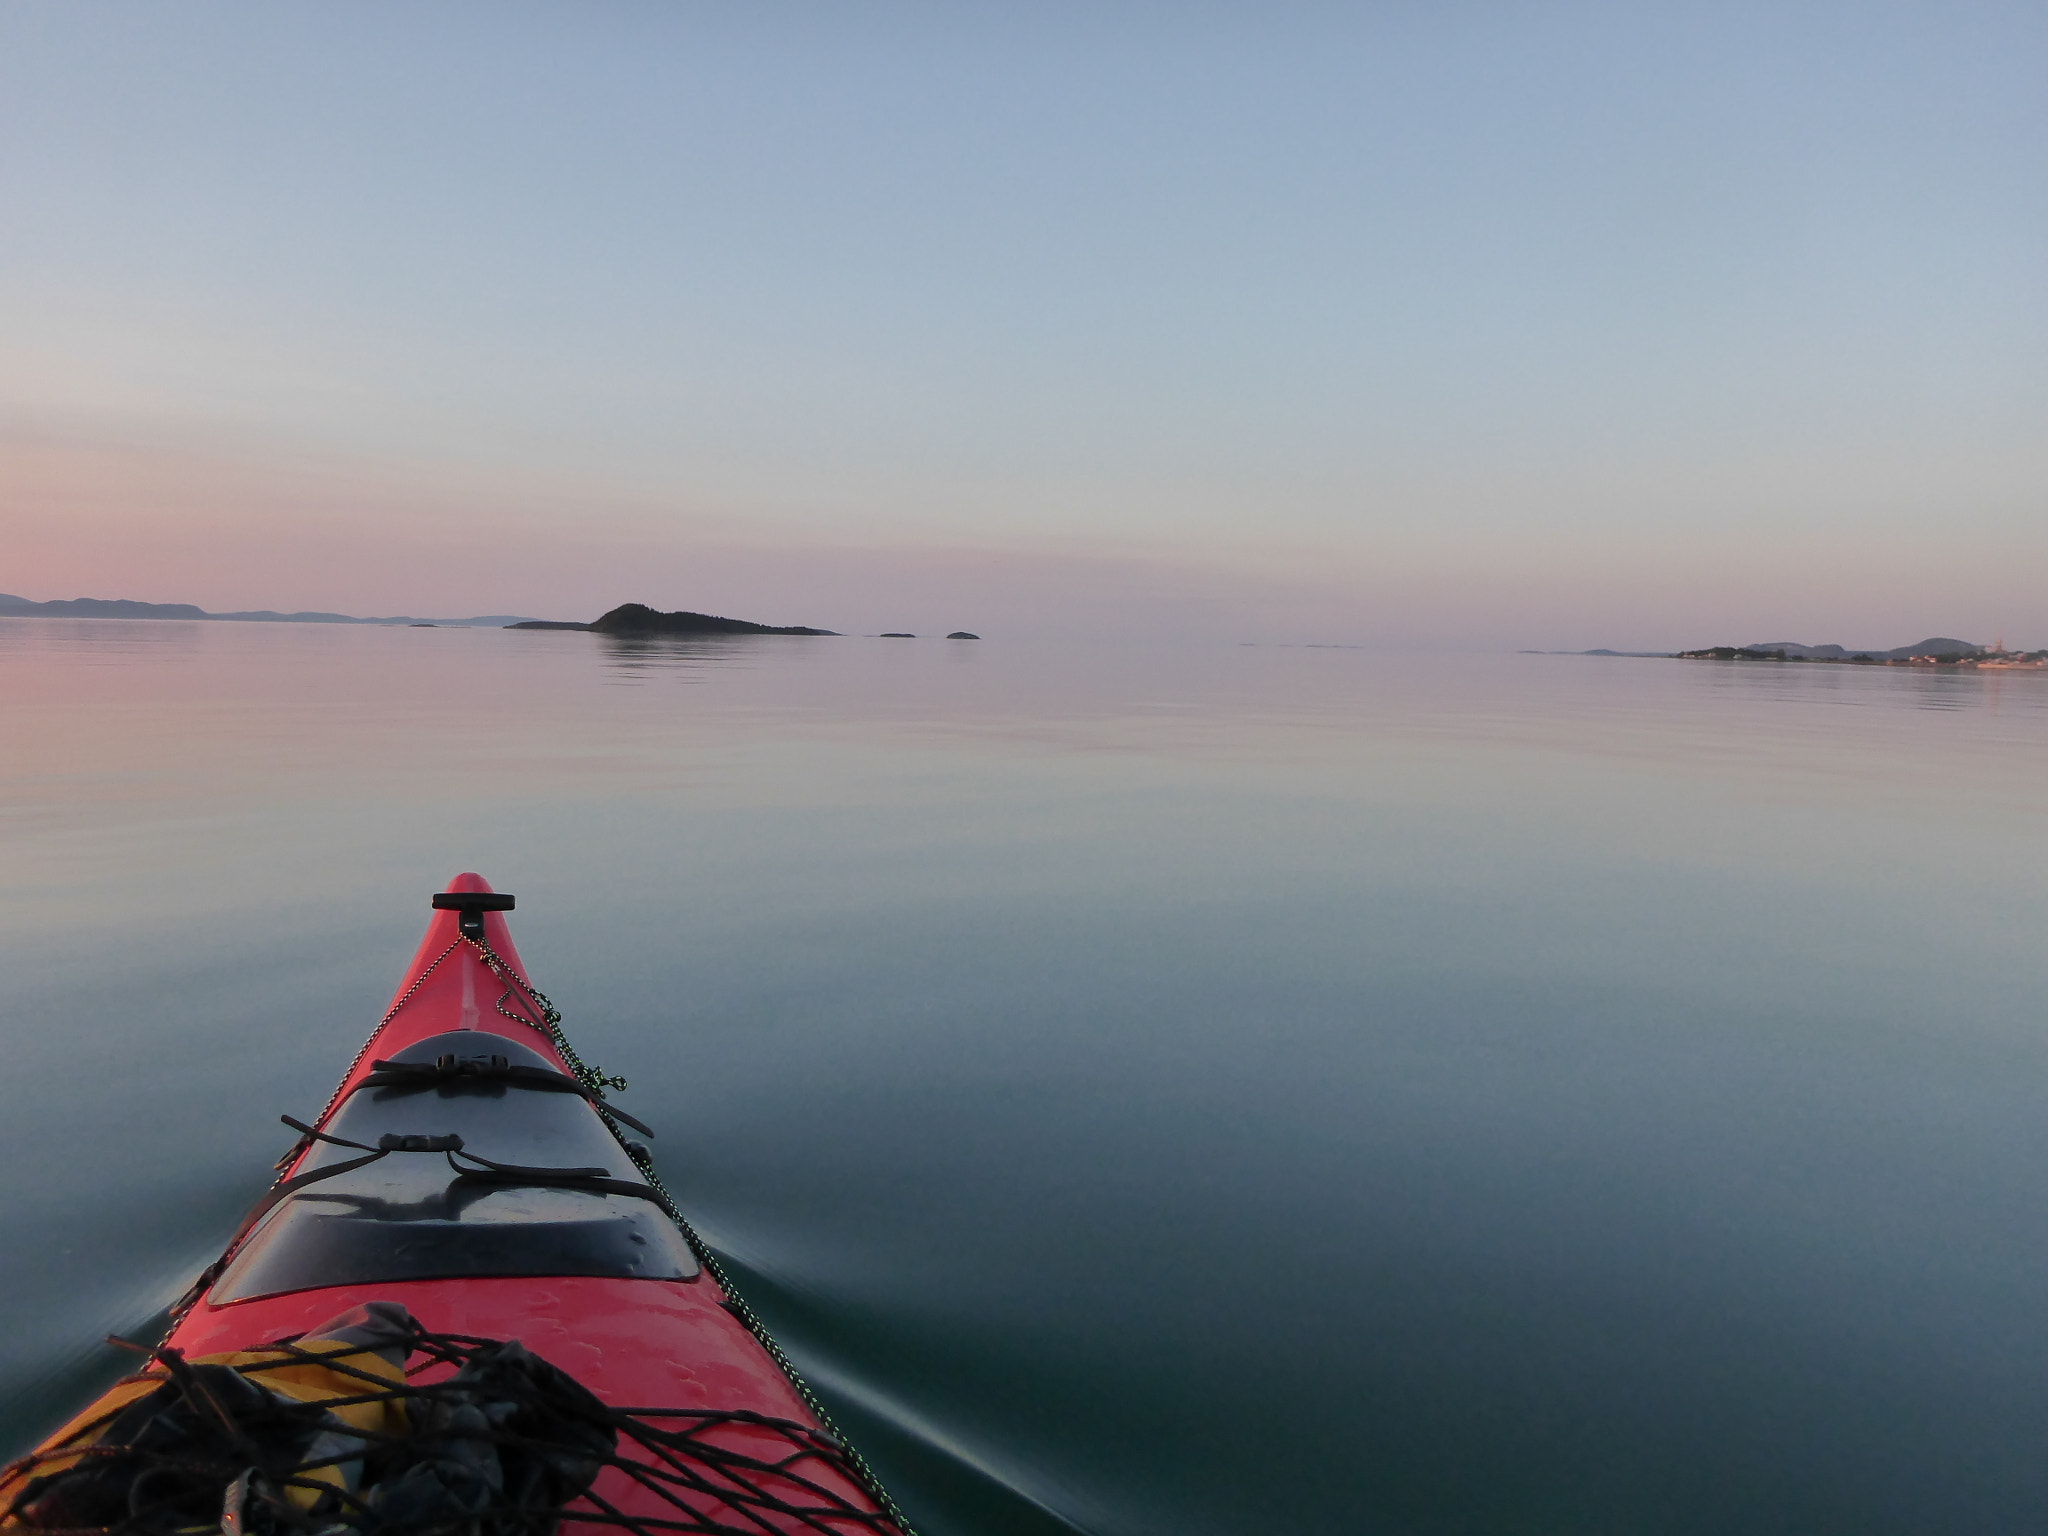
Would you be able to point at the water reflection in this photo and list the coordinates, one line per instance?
(101, 641)
(1876, 686)
(630, 659)
(1193, 1088)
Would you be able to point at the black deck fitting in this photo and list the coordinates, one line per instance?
(472, 905)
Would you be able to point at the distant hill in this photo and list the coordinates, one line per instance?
(12, 607)
(97, 608)
(639, 619)
(1937, 649)
(1936, 646)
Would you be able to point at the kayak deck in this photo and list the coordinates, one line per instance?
(539, 1224)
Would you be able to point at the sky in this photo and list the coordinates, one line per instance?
(1488, 325)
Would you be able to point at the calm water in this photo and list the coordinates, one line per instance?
(1150, 1090)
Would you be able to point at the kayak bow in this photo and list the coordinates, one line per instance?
(469, 1175)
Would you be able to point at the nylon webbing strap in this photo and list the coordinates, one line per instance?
(452, 1069)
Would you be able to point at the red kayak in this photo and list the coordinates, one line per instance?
(470, 1175)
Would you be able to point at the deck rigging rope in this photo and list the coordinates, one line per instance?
(549, 1021)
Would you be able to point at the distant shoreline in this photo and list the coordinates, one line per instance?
(1951, 654)
(1971, 658)
(12, 607)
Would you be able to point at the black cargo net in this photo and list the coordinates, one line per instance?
(501, 1444)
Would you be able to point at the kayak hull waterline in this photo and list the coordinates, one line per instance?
(549, 1231)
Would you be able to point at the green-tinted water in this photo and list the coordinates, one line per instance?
(1191, 1090)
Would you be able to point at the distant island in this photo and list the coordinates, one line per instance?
(12, 607)
(1938, 651)
(639, 619)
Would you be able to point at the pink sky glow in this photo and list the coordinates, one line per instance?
(1548, 328)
